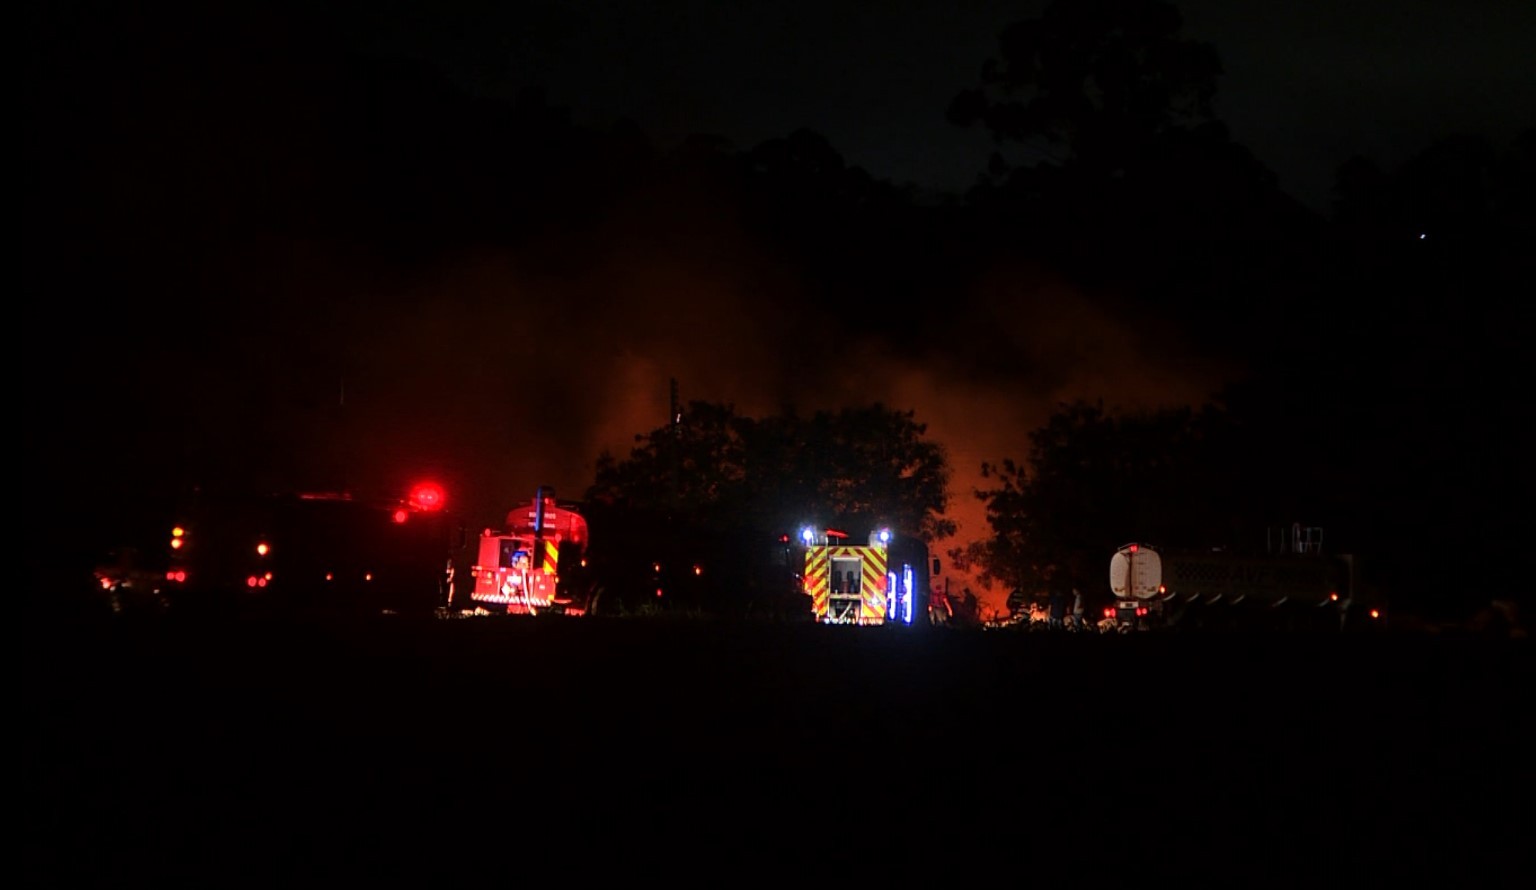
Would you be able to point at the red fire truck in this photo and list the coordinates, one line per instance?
(313, 553)
(536, 564)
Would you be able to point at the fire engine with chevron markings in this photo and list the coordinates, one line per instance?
(536, 564)
(884, 581)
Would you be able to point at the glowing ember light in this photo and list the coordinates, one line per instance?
(176, 543)
(262, 549)
(1375, 613)
(178, 532)
(1333, 597)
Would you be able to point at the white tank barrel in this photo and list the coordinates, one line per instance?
(1135, 572)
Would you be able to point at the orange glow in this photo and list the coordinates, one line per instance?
(1375, 613)
(328, 576)
(1333, 597)
(698, 570)
(262, 549)
(176, 543)
(178, 531)
(368, 577)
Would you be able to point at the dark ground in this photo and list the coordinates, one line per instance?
(463, 751)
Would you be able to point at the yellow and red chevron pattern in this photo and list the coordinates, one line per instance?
(872, 593)
(551, 556)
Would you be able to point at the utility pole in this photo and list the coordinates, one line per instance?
(675, 419)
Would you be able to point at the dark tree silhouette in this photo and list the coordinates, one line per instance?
(1423, 393)
(1092, 481)
(716, 490)
(1118, 173)
(1094, 83)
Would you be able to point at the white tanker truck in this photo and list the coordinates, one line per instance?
(1297, 588)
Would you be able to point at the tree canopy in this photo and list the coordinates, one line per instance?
(714, 490)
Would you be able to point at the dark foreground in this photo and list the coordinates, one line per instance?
(554, 751)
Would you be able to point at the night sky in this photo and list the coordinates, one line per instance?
(1306, 84)
(224, 278)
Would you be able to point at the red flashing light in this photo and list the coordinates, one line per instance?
(427, 496)
(834, 533)
(251, 581)
(400, 517)
(1133, 548)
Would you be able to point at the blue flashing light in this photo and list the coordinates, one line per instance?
(807, 535)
